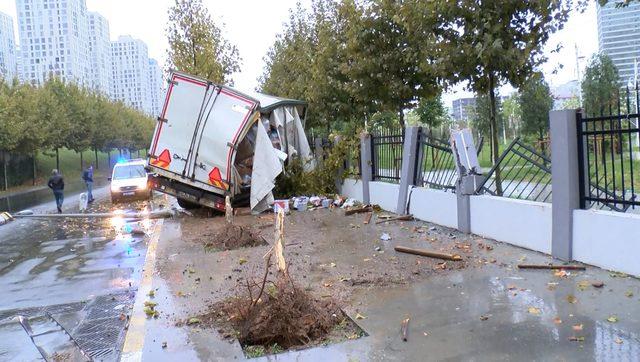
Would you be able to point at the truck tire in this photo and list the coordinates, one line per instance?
(187, 205)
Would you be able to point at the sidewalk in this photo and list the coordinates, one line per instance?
(481, 309)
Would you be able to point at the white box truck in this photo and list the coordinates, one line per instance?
(211, 141)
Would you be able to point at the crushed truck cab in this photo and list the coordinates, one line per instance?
(211, 141)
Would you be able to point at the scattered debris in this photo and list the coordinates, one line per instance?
(572, 299)
(576, 339)
(151, 293)
(360, 316)
(597, 284)
(545, 266)
(385, 237)
(367, 218)
(358, 210)
(628, 294)
(612, 319)
(405, 328)
(428, 253)
(577, 327)
(164, 345)
(557, 320)
(484, 317)
(617, 340)
(398, 218)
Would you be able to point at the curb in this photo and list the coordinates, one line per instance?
(134, 339)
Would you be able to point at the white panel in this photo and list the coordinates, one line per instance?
(517, 222)
(610, 240)
(434, 206)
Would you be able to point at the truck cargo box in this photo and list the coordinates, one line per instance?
(211, 141)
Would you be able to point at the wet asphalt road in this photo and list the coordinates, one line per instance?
(67, 265)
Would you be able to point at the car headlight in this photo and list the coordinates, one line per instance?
(114, 188)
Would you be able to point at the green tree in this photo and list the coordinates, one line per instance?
(196, 43)
(52, 109)
(600, 87)
(511, 115)
(430, 112)
(536, 102)
(385, 63)
(489, 43)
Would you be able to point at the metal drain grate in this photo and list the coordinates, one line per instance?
(101, 333)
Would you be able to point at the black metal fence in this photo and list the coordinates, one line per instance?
(435, 164)
(386, 149)
(521, 173)
(609, 154)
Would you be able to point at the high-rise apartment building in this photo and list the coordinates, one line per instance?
(463, 108)
(619, 37)
(54, 40)
(100, 53)
(8, 55)
(156, 87)
(130, 69)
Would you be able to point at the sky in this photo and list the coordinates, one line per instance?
(252, 25)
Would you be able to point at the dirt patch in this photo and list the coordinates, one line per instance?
(231, 237)
(270, 317)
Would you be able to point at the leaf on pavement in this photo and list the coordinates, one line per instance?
(612, 319)
(577, 327)
(618, 340)
(576, 339)
(193, 320)
(534, 310)
(557, 320)
(583, 285)
(360, 316)
(628, 294)
(572, 299)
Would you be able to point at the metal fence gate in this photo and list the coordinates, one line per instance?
(609, 157)
(521, 173)
(386, 149)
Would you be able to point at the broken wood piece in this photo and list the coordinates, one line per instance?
(398, 218)
(554, 267)
(429, 253)
(405, 328)
(358, 210)
(367, 218)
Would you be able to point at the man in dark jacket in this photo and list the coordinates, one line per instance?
(87, 177)
(56, 184)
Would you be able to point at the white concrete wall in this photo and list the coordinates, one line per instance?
(518, 222)
(384, 194)
(435, 206)
(610, 240)
(352, 188)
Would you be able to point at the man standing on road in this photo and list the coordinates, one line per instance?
(56, 184)
(87, 176)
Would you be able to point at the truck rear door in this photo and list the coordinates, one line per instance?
(198, 131)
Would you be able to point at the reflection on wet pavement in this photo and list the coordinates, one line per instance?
(58, 262)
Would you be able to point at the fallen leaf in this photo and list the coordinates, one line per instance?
(561, 273)
(164, 344)
(193, 320)
(327, 285)
(534, 310)
(242, 260)
(123, 316)
(572, 299)
(150, 304)
(385, 237)
(484, 317)
(557, 320)
(628, 294)
(617, 275)
(151, 294)
(583, 285)
(617, 340)
(576, 339)
(612, 319)
(577, 327)
(511, 287)
(333, 265)
(425, 333)
(360, 316)
(597, 284)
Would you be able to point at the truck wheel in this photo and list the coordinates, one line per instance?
(188, 205)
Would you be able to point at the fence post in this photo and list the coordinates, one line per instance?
(565, 181)
(319, 151)
(408, 173)
(365, 165)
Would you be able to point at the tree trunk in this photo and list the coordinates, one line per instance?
(95, 151)
(120, 151)
(81, 162)
(494, 134)
(401, 117)
(34, 168)
(4, 170)
(108, 160)
(57, 159)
